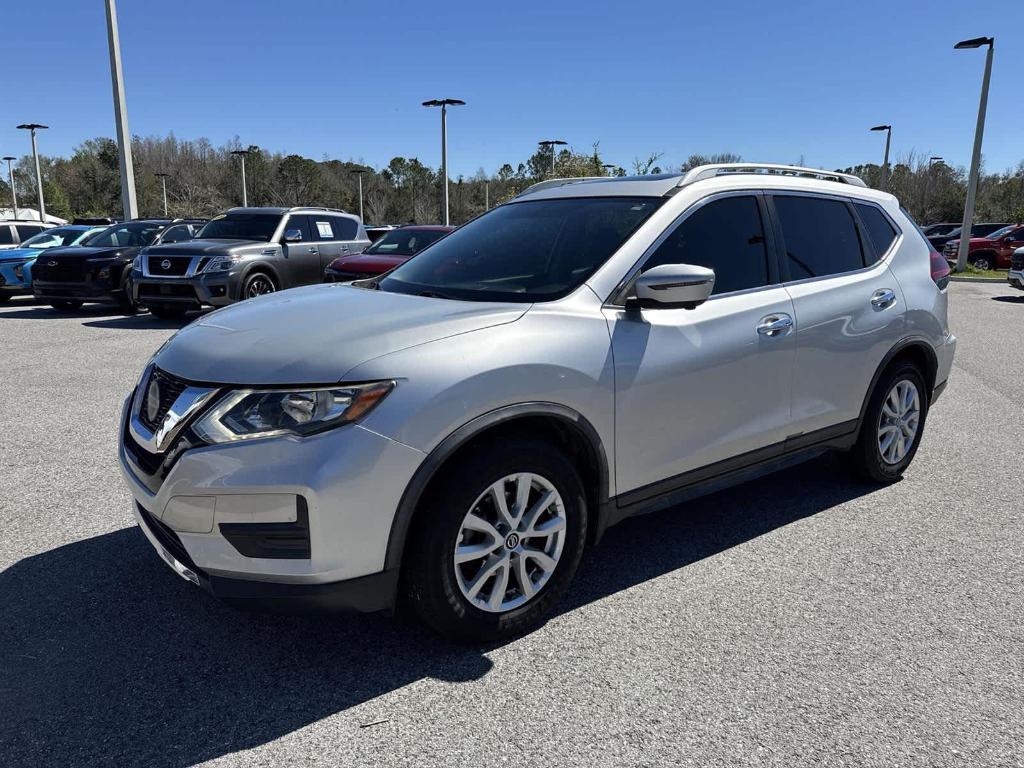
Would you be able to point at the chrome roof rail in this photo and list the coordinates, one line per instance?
(549, 183)
(726, 169)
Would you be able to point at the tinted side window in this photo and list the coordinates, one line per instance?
(6, 235)
(820, 235)
(300, 223)
(177, 234)
(344, 229)
(725, 235)
(879, 229)
(27, 231)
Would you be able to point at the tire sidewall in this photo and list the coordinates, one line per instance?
(441, 602)
(250, 278)
(875, 465)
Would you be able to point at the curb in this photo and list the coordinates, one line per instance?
(956, 279)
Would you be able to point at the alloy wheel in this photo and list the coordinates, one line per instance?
(510, 542)
(259, 286)
(898, 421)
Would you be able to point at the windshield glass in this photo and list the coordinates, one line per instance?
(133, 234)
(1001, 232)
(404, 242)
(524, 252)
(51, 238)
(240, 226)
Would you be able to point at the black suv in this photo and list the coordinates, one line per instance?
(242, 253)
(99, 268)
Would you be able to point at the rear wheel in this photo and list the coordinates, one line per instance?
(64, 306)
(893, 425)
(497, 542)
(168, 312)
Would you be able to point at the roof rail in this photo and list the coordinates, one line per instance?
(725, 169)
(316, 208)
(549, 183)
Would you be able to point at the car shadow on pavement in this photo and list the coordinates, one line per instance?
(143, 321)
(107, 658)
(1009, 299)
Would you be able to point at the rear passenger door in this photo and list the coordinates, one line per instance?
(849, 309)
(301, 257)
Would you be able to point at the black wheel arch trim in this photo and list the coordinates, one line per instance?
(446, 448)
(916, 342)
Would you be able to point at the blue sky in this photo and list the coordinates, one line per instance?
(770, 81)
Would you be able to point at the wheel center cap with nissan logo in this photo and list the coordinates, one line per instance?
(165, 264)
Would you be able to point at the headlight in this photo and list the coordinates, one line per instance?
(246, 414)
(104, 273)
(222, 264)
(137, 263)
(19, 271)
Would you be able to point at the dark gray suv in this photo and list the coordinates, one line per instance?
(242, 253)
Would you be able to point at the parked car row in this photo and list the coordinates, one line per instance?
(993, 251)
(940, 236)
(171, 266)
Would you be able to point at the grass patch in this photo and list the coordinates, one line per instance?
(971, 271)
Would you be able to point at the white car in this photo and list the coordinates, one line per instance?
(13, 232)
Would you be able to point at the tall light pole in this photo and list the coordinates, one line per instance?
(240, 154)
(927, 183)
(487, 195)
(885, 161)
(163, 182)
(444, 104)
(124, 137)
(10, 175)
(359, 175)
(972, 180)
(35, 156)
(551, 144)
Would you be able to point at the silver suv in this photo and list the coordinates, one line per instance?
(453, 433)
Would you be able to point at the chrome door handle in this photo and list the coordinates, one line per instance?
(775, 325)
(883, 298)
(312, 249)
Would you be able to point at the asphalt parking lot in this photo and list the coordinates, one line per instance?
(804, 619)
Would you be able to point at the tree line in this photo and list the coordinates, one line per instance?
(204, 180)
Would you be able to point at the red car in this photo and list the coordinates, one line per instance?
(992, 252)
(394, 248)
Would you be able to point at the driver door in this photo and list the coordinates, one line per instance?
(694, 387)
(302, 256)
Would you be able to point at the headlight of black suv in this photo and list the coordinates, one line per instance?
(247, 414)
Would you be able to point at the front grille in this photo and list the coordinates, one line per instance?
(63, 271)
(169, 265)
(1017, 261)
(951, 249)
(168, 388)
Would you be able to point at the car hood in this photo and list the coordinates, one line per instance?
(205, 247)
(66, 252)
(20, 254)
(316, 334)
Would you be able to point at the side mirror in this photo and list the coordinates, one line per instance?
(674, 286)
(293, 235)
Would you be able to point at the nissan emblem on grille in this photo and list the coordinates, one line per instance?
(165, 264)
(153, 400)
(51, 263)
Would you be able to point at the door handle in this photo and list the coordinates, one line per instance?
(312, 249)
(882, 298)
(775, 325)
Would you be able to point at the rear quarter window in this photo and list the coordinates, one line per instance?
(344, 228)
(880, 231)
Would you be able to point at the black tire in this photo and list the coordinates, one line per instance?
(165, 312)
(5, 297)
(65, 306)
(983, 261)
(429, 580)
(258, 284)
(866, 455)
(125, 302)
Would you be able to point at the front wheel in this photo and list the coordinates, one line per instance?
(497, 542)
(892, 426)
(257, 284)
(983, 261)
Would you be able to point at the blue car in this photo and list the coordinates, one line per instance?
(16, 264)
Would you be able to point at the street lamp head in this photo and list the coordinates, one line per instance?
(161, 174)
(976, 42)
(32, 126)
(444, 103)
(935, 159)
(8, 158)
(240, 152)
(359, 171)
(552, 143)
(882, 128)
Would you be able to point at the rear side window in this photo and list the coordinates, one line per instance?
(27, 231)
(724, 235)
(344, 229)
(820, 235)
(6, 236)
(879, 229)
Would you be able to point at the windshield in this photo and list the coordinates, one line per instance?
(133, 234)
(1001, 232)
(241, 226)
(52, 238)
(524, 252)
(404, 242)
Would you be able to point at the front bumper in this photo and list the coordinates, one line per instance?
(1015, 277)
(11, 284)
(51, 291)
(350, 481)
(217, 289)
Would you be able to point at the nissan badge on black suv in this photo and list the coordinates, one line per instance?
(243, 253)
(98, 269)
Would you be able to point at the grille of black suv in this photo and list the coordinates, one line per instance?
(1017, 261)
(168, 388)
(62, 270)
(169, 265)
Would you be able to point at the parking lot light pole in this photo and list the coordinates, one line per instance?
(10, 175)
(551, 144)
(124, 136)
(972, 180)
(885, 161)
(444, 104)
(487, 195)
(359, 175)
(163, 182)
(240, 154)
(35, 156)
(927, 183)
(609, 167)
